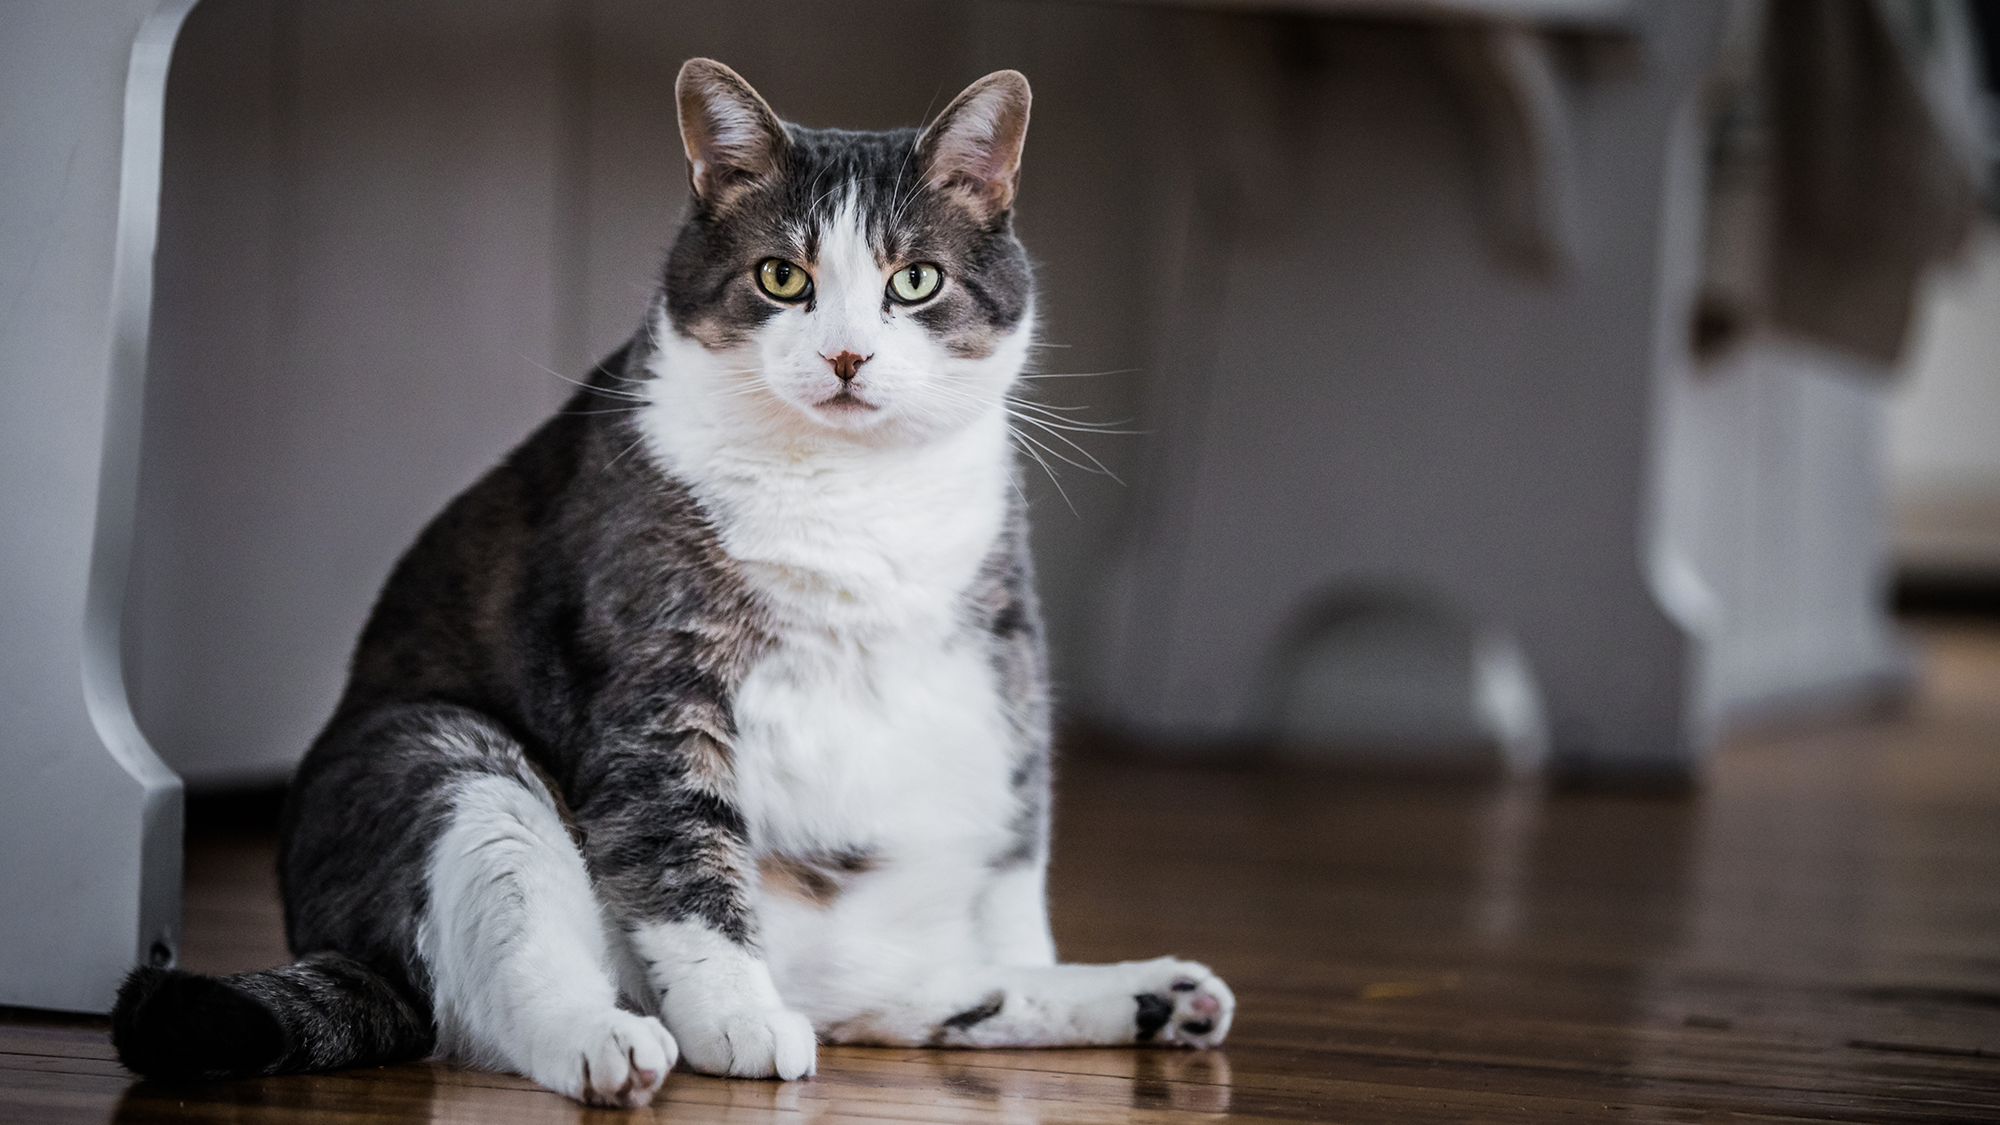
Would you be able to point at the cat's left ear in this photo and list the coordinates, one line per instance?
(733, 139)
(973, 150)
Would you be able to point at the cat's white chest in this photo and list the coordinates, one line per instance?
(874, 721)
(898, 749)
(897, 754)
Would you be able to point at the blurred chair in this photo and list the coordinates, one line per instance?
(1629, 422)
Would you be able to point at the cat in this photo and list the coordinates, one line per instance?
(713, 723)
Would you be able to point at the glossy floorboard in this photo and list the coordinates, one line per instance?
(1813, 937)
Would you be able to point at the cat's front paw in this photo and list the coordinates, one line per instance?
(750, 1043)
(1187, 1006)
(610, 1058)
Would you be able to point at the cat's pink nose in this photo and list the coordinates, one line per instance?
(846, 364)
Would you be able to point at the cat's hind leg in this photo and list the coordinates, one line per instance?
(522, 964)
(1163, 1002)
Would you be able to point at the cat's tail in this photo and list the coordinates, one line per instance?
(319, 1013)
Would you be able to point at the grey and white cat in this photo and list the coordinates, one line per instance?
(712, 724)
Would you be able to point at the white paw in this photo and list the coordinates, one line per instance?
(750, 1043)
(1182, 1004)
(609, 1058)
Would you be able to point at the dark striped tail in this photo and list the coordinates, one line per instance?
(321, 1013)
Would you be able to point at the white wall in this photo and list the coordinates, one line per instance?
(359, 239)
(1944, 421)
(1776, 503)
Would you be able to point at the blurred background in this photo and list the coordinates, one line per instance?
(1508, 384)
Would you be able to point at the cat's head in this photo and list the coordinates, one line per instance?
(864, 286)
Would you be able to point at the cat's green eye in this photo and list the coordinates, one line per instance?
(915, 283)
(784, 280)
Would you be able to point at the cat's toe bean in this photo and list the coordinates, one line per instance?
(1191, 1007)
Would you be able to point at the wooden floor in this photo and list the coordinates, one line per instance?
(1814, 937)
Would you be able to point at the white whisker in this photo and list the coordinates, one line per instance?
(1079, 374)
(1072, 426)
(636, 443)
(1060, 491)
(1094, 464)
(608, 392)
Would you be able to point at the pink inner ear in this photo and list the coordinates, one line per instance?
(726, 129)
(978, 149)
(734, 131)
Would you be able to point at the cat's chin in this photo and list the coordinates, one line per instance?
(869, 425)
(846, 405)
(848, 421)
(855, 417)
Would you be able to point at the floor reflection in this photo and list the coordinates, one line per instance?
(1013, 1087)
(1043, 1086)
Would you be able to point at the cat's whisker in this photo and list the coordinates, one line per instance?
(1062, 413)
(1051, 417)
(926, 412)
(824, 196)
(1079, 374)
(1072, 425)
(608, 392)
(963, 410)
(1014, 483)
(1094, 465)
(903, 204)
(1091, 465)
(900, 203)
(615, 376)
(943, 391)
(974, 404)
(817, 176)
(613, 410)
(904, 164)
(952, 409)
(754, 386)
(1055, 453)
(1019, 400)
(636, 443)
(1053, 479)
(1068, 425)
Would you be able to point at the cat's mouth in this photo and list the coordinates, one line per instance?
(845, 401)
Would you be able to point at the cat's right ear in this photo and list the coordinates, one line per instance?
(973, 150)
(733, 139)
